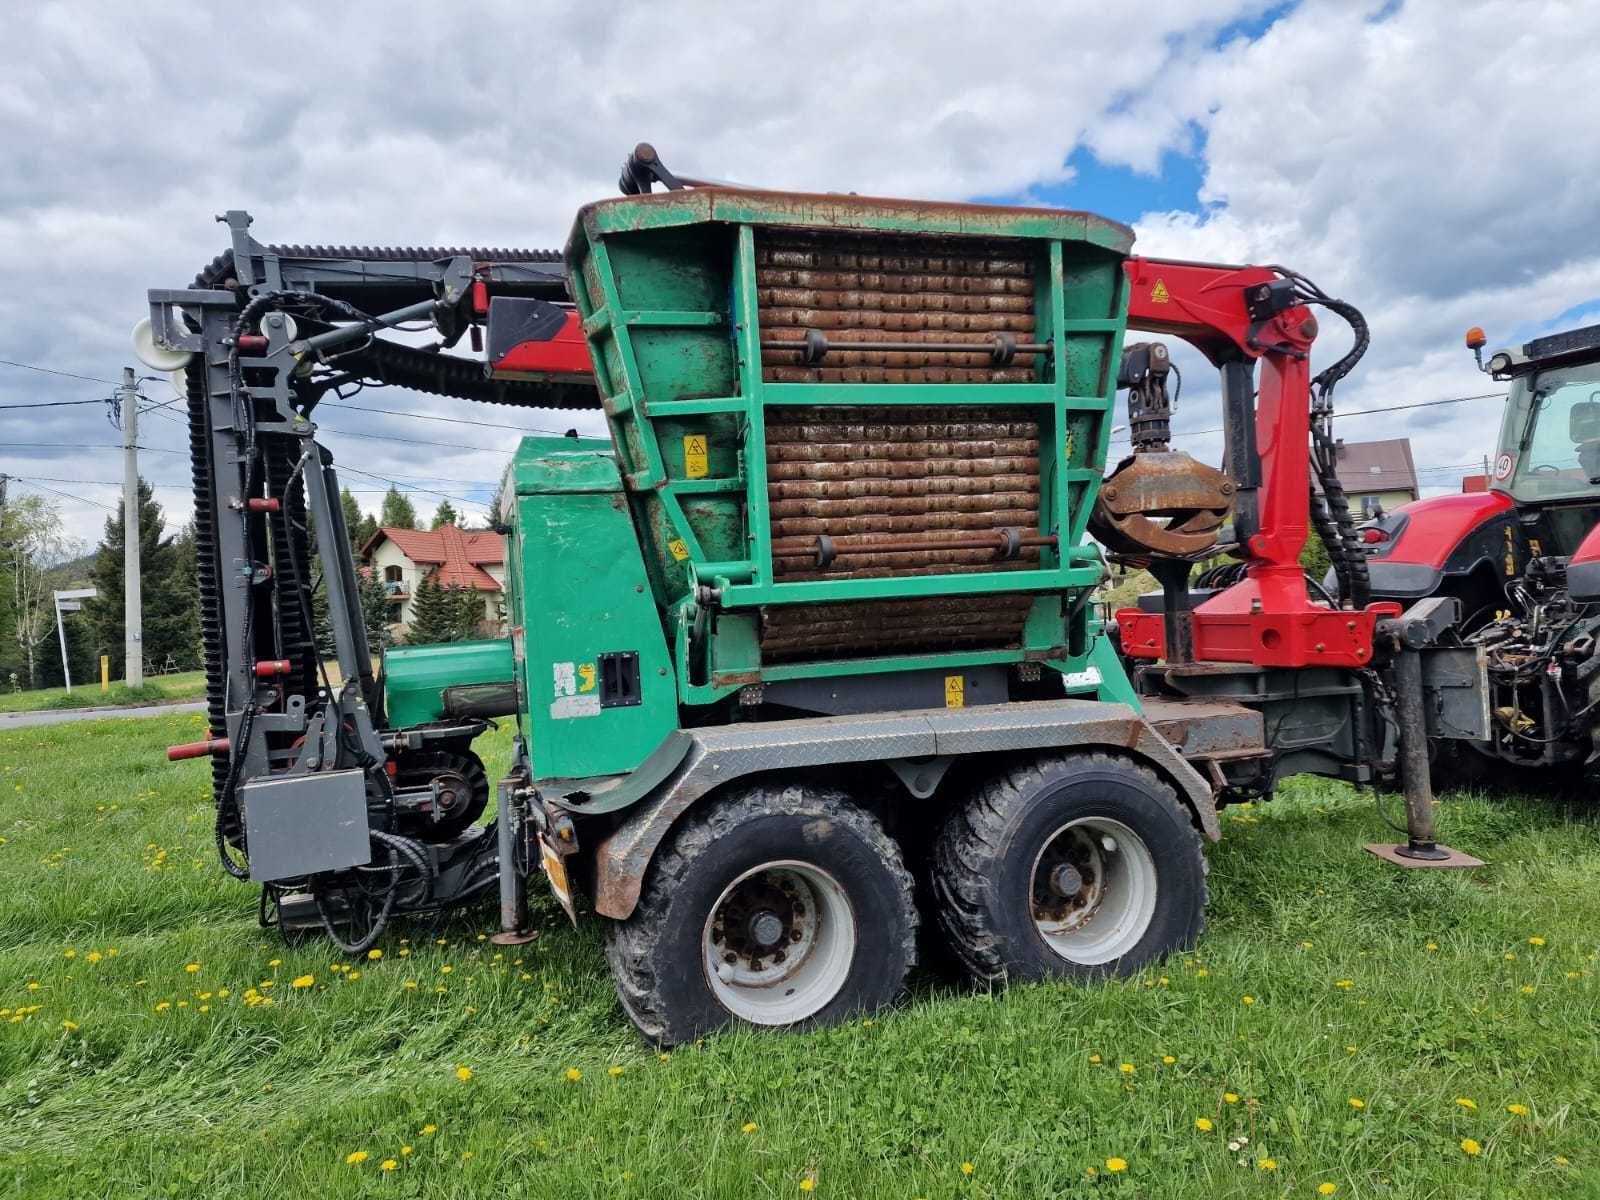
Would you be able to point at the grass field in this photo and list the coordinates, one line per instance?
(1359, 1025)
(156, 689)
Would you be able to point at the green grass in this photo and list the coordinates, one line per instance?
(157, 689)
(107, 847)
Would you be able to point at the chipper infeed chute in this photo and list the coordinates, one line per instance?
(855, 434)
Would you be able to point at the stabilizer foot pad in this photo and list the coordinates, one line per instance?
(517, 937)
(1454, 859)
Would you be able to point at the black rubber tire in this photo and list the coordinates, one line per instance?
(985, 854)
(656, 954)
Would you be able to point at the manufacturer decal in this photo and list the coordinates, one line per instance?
(1088, 677)
(575, 694)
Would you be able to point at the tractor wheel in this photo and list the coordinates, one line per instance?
(775, 906)
(1076, 865)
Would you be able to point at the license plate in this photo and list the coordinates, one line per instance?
(555, 870)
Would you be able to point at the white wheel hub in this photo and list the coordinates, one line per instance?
(1093, 890)
(779, 943)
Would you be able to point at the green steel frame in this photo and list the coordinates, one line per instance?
(1081, 311)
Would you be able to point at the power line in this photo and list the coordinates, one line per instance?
(87, 446)
(415, 488)
(416, 416)
(29, 480)
(52, 371)
(384, 437)
(51, 404)
(1362, 412)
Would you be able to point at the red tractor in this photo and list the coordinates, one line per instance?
(1523, 557)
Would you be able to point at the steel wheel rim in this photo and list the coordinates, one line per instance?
(778, 976)
(1092, 891)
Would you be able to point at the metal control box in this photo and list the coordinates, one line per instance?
(302, 824)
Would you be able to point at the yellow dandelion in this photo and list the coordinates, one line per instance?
(1327, 1189)
(663, 1057)
(1357, 1102)
(1306, 945)
(749, 1127)
(222, 993)
(191, 968)
(1127, 1068)
(1517, 1110)
(1247, 999)
(808, 1185)
(1508, 956)
(1345, 984)
(967, 1168)
(446, 969)
(356, 1157)
(428, 1130)
(1527, 989)
(464, 1074)
(1091, 1172)
(374, 954)
(573, 1074)
(72, 1027)
(1202, 973)
(1464, 1102)
(353, 975)
(276, 962)
(304, 981)
(93, 956)
(1470, 1147)
(1268, 1164)
(409, 985)
(1203, 1124)
(614, 1071)
(1114, 1165)
(405, 1151)
(1094, 1058)
(71, 954)
(1563, 1160)
(163, 1006)
(1230, 1098)
(1168, 1059)
(1536, 941)
(1431, 946)
(388, 1164)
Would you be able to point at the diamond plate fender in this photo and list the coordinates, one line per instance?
(723, 754)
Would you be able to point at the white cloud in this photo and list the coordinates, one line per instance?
(1435, 166)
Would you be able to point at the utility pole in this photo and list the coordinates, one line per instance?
(132, 611)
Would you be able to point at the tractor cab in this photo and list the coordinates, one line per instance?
(1548, 457)
(1544, 485)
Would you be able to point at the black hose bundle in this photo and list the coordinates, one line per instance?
(1330, 513)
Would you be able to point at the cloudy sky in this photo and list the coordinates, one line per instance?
(1433, 161)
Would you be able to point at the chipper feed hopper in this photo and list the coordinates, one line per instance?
(802, 656)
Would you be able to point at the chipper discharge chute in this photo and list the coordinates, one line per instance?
(802, 655)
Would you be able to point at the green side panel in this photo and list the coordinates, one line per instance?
(414, 677)
(585, 599)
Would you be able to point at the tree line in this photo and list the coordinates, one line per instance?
(37, 559)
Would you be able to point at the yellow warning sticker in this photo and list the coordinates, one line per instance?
(586, 677)
(1158, 294)
(955, 691)
(679, 549)
(694, 455)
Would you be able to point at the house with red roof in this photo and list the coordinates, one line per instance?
(470, 559)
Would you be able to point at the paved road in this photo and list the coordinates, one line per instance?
(57, 717)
